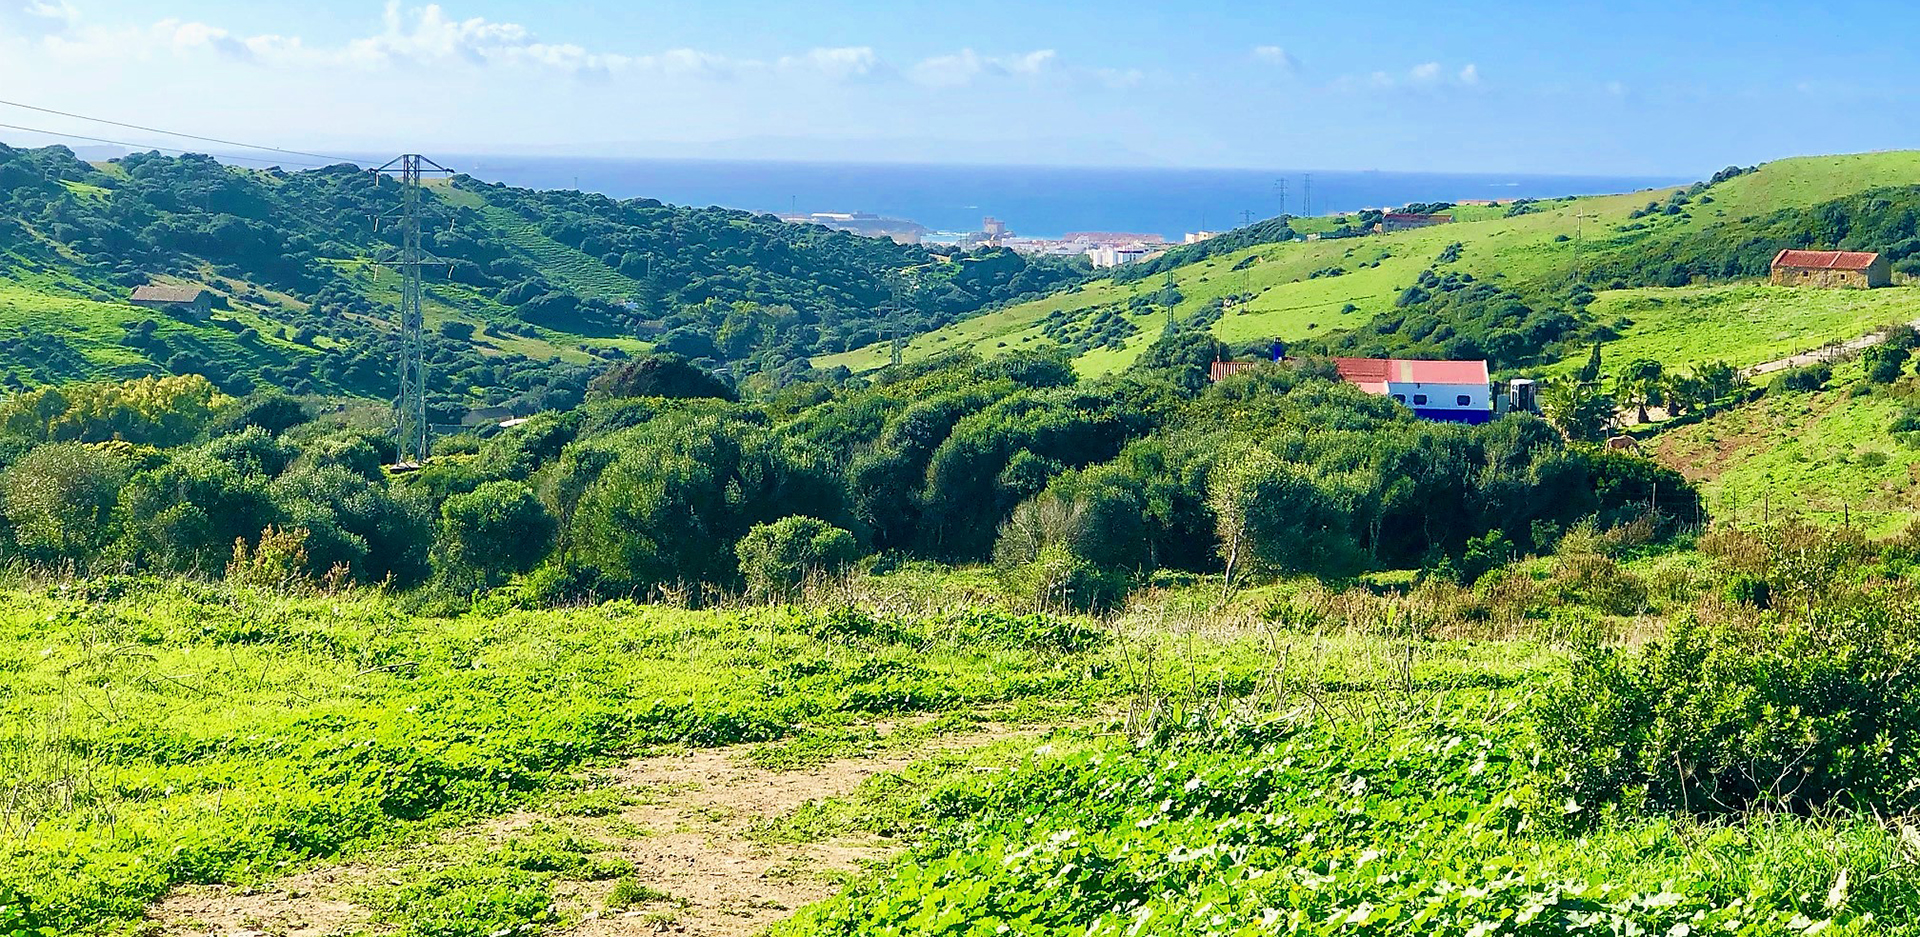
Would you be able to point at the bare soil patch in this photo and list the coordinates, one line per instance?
(687, 835)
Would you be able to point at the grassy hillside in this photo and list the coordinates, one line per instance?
(537, 289)
(1742, 324)
(1272, 291)
(1830, 456)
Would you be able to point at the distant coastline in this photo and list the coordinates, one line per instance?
(1034, 201)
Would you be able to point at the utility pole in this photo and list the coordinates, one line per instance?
(1167, 294)
(1246, 217)
(410, 407)
(1579, 243)
(1306, 196)
(893, 319)
(1281, 184)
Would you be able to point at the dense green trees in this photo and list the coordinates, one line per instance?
(1075, 490)
(663, 375)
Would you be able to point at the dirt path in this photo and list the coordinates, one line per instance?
(686, 835)
(1823, 353)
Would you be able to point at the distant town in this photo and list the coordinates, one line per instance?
(1101, 248)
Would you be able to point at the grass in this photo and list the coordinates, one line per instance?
(1742, 324)
(60, 337)
(1536, 250)
(563, 265)
(153, 735)
(1333, 761)
(1829, 456)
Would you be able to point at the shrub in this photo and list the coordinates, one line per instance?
(270, 410)
(1806, 379)
(60, 499)
(1818, 710)
(661, 375)
(1057, 579)
(278, 563)
(777, 558)
(497, 529)
(1884, 362)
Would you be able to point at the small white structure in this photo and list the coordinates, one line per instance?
(1449, 391)
(1112, 256)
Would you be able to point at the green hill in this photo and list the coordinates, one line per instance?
(1832, 456)
(1649, 261)
(538, 288)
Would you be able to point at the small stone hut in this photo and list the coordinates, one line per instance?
(1831, 269)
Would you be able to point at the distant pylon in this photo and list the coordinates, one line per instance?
(1167, 294)
(1281, 184)
(410, 407)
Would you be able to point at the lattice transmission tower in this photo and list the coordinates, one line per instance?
(410, 407)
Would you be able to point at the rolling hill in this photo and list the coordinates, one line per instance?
(1350, 293)
(538, 288)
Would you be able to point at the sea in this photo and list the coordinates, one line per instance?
(1033, 201)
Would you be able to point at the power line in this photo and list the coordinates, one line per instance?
(144, 146)
(176, 133)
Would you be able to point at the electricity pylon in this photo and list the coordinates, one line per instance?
(1167, 293)
(410, 407)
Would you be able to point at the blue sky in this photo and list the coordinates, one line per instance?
(1625, 87)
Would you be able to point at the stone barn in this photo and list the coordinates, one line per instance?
(191, 299)
(1831, 269)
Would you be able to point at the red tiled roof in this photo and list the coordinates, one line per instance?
(1825, 260)
(1373, 374)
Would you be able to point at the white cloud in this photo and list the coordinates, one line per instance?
(842, 63)
(1421, 76)
(1277, 56)
(428, 37)
(966, 65)
(61, 14)
(1120, 77)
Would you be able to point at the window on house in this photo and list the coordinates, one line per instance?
(1462, 400)
(1419, 398)
(1399, 398)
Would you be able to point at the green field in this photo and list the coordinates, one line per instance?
(1742, 324)
(185, 756)
(1531, 251)
(1829, 456)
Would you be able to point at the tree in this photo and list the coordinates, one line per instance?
(271, 410)
(1718, 381)
(777, 558)
(497, 529)
(1591, 370)
(186, 514)
(1683, 393)
(1272, 517)
(1575, 407)
(60, 499)
(1639, 385)
(1884, 362)
(659, 375)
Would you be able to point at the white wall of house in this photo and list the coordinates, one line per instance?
(1441, 396)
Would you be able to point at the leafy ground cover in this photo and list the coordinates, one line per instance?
(156, 736)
